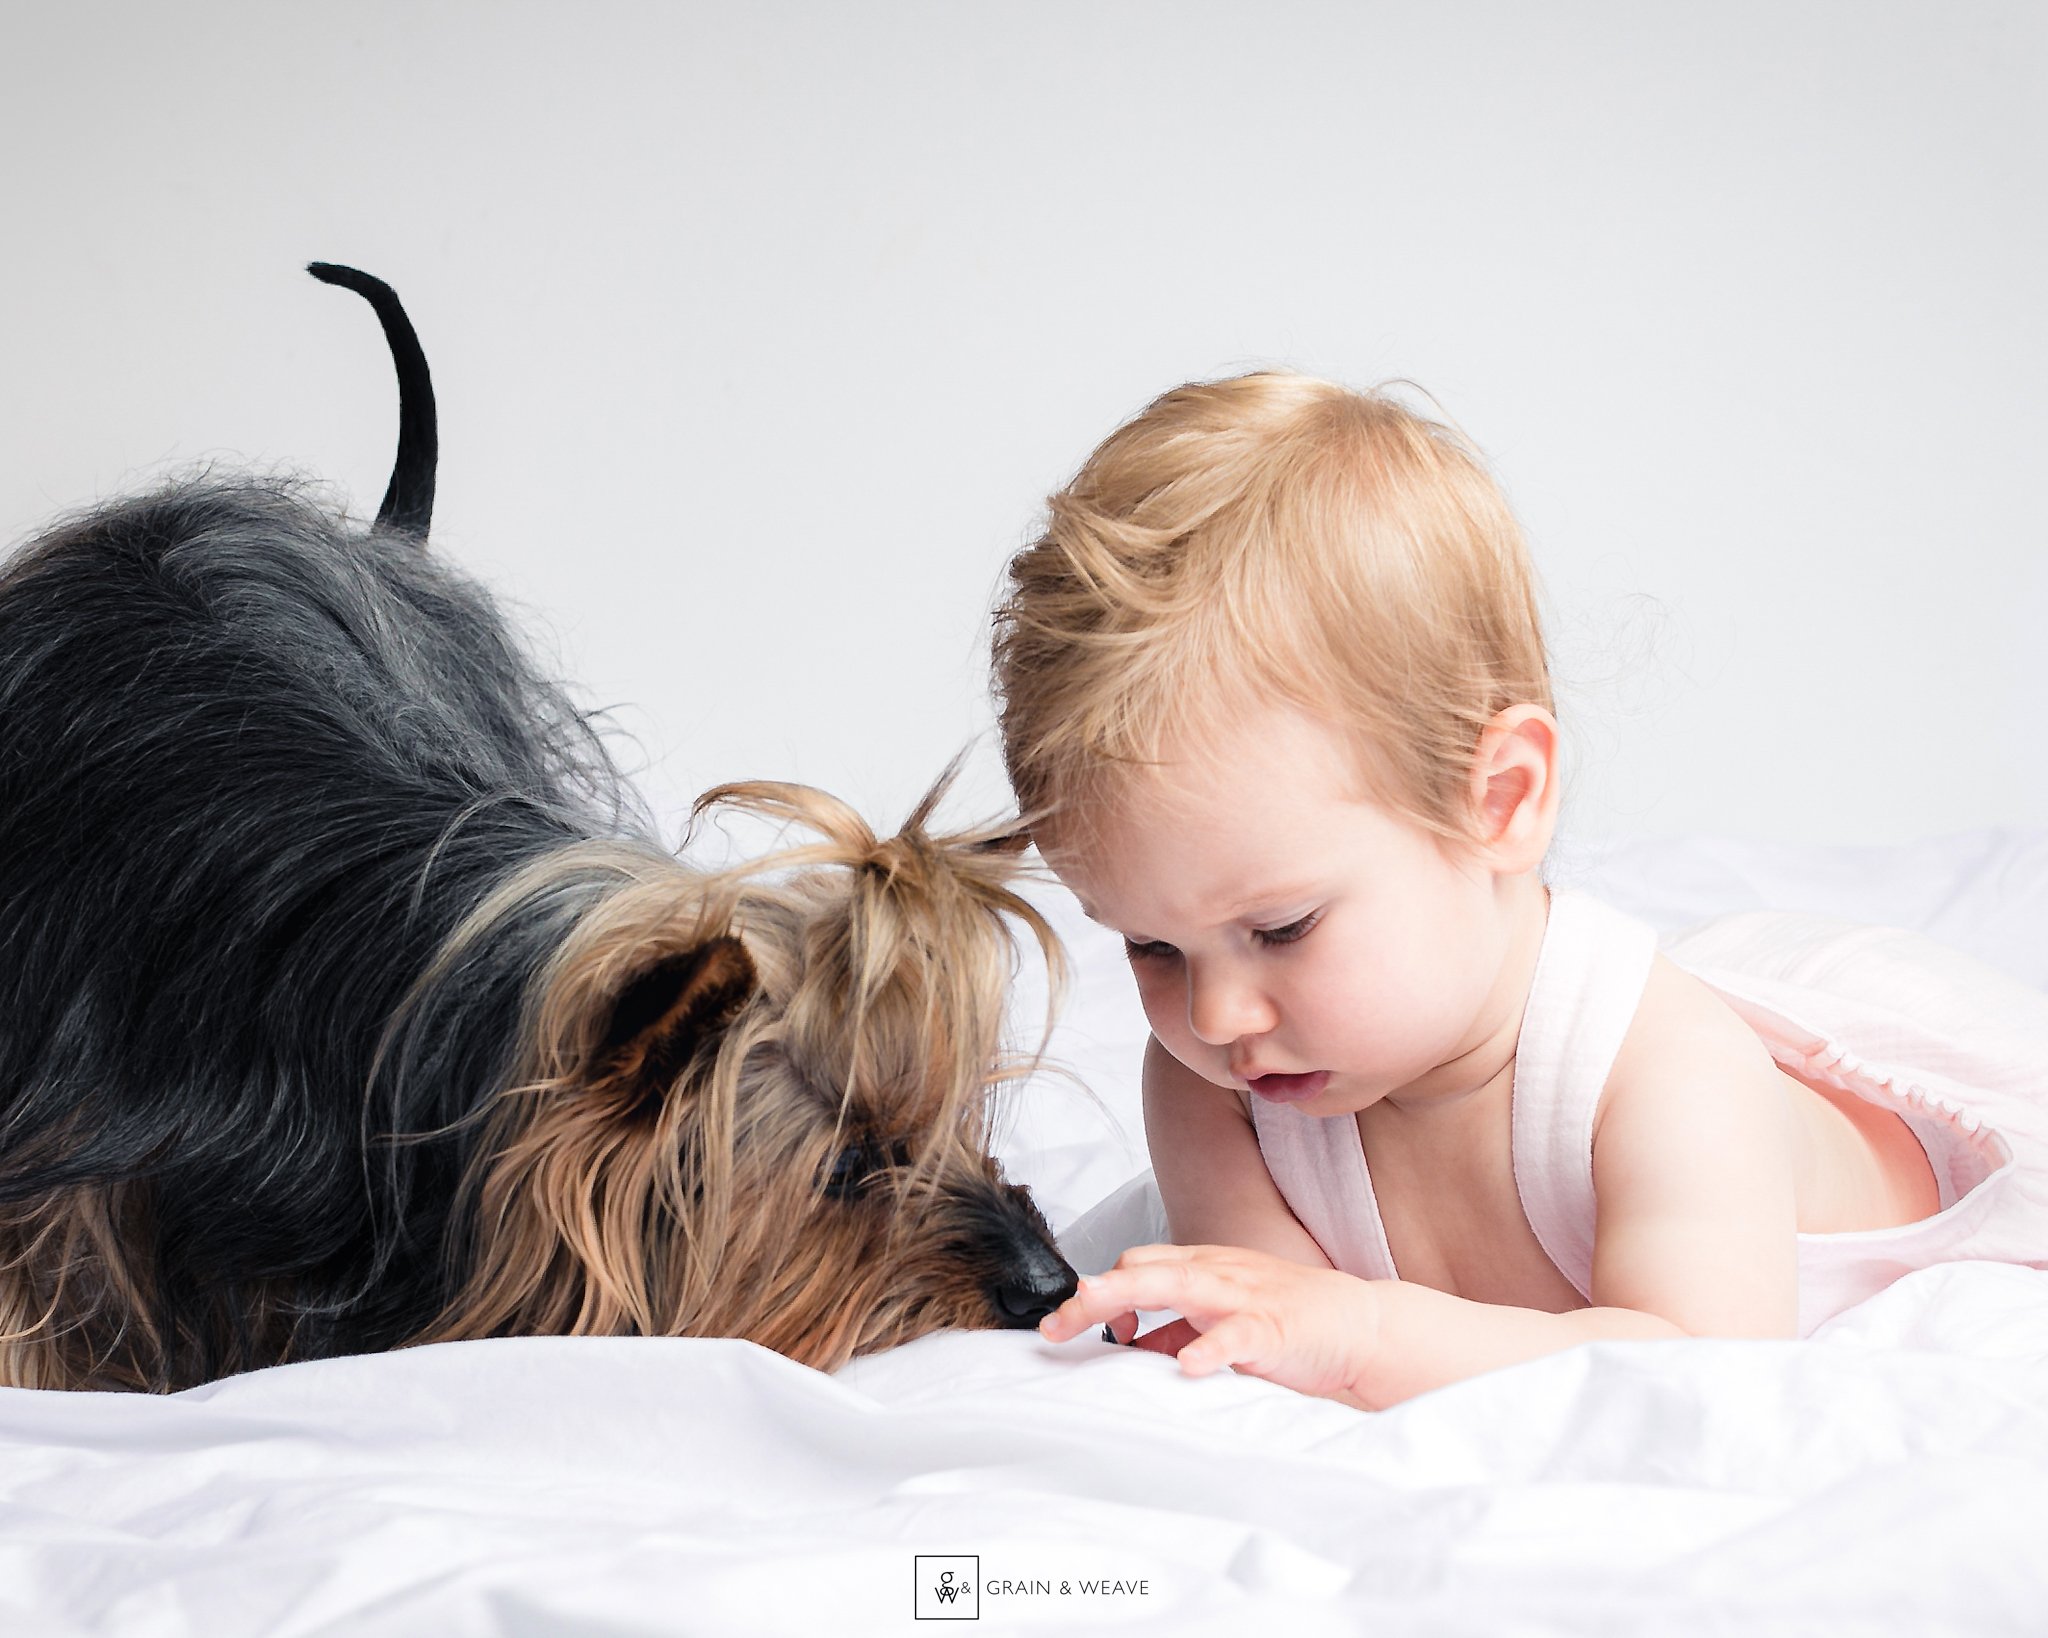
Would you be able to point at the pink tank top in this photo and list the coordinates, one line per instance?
(1957, 1050)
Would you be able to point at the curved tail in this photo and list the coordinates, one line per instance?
(409, 498)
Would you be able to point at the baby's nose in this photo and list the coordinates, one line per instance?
(1223, 1009)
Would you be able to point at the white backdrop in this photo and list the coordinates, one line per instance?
(761, 332)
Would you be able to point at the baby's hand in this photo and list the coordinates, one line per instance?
(1310, 1329)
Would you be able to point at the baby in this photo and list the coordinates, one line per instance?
(1275, 704)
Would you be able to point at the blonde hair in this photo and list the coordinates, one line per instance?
(1269, 537)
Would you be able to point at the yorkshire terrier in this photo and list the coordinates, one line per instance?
(348, 1001)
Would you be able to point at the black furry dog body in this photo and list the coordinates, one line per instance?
(295, 859)
(234, 738)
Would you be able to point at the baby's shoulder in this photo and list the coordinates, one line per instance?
(1683, 1040)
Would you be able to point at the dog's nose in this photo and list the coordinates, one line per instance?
(1033, 1287)
(1024, 1306)
(1027, 1277)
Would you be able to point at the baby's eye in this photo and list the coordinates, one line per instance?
(1142, 949)
(1292, 931)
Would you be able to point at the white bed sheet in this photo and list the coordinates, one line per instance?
(1889, 1476)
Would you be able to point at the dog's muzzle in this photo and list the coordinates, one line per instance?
(1035, 1278)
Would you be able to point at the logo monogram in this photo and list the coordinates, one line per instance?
(948, 1588)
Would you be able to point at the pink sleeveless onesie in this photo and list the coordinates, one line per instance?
(1957, 1049)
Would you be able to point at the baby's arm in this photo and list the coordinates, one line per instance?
(1693, 1168)
(1212, 1179)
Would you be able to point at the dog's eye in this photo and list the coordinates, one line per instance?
(856, 1164)
(849, 1171)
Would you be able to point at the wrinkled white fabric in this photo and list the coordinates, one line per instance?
(1888, 1477)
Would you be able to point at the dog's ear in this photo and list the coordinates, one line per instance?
(667, 1010)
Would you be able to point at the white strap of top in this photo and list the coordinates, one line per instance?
(1589, 980)
(1319, 1166)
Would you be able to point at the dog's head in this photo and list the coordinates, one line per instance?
(758, 1103)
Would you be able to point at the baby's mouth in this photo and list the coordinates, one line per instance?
(1290, 1088)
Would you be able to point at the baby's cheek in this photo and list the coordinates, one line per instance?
(1166, 1010)
(1165, 1003)
(1389, 1016)
(1191, 1053)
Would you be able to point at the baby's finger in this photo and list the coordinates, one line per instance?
(1120, 1291)
(1094, 1302)
(1137, 1255)
(1118, 1294)
(1238, 1340)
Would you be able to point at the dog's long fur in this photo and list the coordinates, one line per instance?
(346, 1001)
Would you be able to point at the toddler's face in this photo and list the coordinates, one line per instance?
(1289, 935)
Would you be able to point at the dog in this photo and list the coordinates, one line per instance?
(347, 1000)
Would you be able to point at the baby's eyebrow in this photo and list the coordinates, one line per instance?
(1233, 911)
(1110, 926)
(1266, 900)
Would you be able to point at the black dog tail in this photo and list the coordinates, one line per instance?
(409, 499)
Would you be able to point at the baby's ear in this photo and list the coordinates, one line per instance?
(1515, 787)
(666, 1011)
